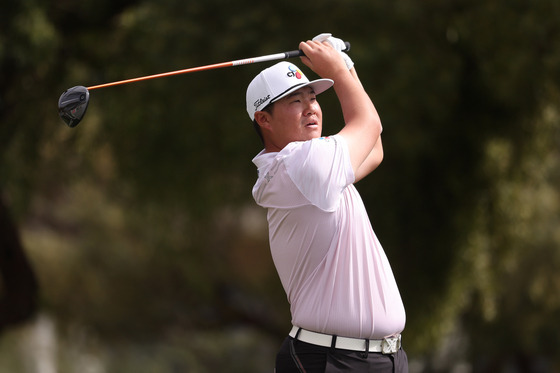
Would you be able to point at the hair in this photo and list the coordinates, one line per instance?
(268, 109)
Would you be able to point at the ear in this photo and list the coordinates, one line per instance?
(263, 119)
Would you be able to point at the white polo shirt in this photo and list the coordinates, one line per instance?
(335, 273)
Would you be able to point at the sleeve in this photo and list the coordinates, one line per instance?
(321, 170)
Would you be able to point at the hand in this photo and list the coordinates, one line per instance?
(337, 44)
(324, 60)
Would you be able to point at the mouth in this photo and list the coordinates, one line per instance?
(313, 124)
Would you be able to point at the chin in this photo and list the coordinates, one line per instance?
(316, 134)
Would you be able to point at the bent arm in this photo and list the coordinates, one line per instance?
(362, 123)
(362, 128)
(374, 158)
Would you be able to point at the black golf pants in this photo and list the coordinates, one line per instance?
(300, 357)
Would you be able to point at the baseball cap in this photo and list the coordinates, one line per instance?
(276, 82)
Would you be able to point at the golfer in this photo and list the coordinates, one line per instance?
(347, 313)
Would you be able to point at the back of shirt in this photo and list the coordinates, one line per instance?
(334, 271)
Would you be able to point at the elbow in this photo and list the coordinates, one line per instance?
(378, 125)
(377, 152)
(374, 127)
(378, 158)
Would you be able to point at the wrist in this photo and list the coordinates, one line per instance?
(341, 75)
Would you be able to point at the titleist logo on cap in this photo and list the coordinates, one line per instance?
(261, 101)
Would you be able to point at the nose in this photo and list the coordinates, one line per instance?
(310, 108)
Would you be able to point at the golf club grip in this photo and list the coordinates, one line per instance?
(299, 52)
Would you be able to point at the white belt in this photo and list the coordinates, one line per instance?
(389, 345)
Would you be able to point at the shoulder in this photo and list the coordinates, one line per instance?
(315, 147)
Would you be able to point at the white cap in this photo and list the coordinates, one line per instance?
(276, 82)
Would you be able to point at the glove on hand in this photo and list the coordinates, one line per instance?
(338, 45)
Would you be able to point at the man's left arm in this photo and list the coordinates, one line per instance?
(375, 157)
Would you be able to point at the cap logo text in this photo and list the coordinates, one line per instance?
(261, 101)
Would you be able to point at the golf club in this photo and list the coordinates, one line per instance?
(73, 102)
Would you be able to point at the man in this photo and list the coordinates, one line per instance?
(347, 313)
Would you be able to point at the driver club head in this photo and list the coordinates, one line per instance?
(72, 105)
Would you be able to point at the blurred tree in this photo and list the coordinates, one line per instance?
(145, 208)
(18, 284)
(29, 42)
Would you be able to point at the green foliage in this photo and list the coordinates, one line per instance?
(140, 219)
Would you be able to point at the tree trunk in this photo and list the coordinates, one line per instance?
(18, 283)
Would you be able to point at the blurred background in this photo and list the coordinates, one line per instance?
(131, 243)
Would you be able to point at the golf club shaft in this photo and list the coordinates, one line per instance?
(246, 61)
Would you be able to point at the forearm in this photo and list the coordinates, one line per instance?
(357, 108)
(354, 73)
(362, 123)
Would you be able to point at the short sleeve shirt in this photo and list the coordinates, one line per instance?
(335, 273)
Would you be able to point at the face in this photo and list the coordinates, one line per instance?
(296, 117)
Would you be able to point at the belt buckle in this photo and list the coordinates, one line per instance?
(390, 345)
